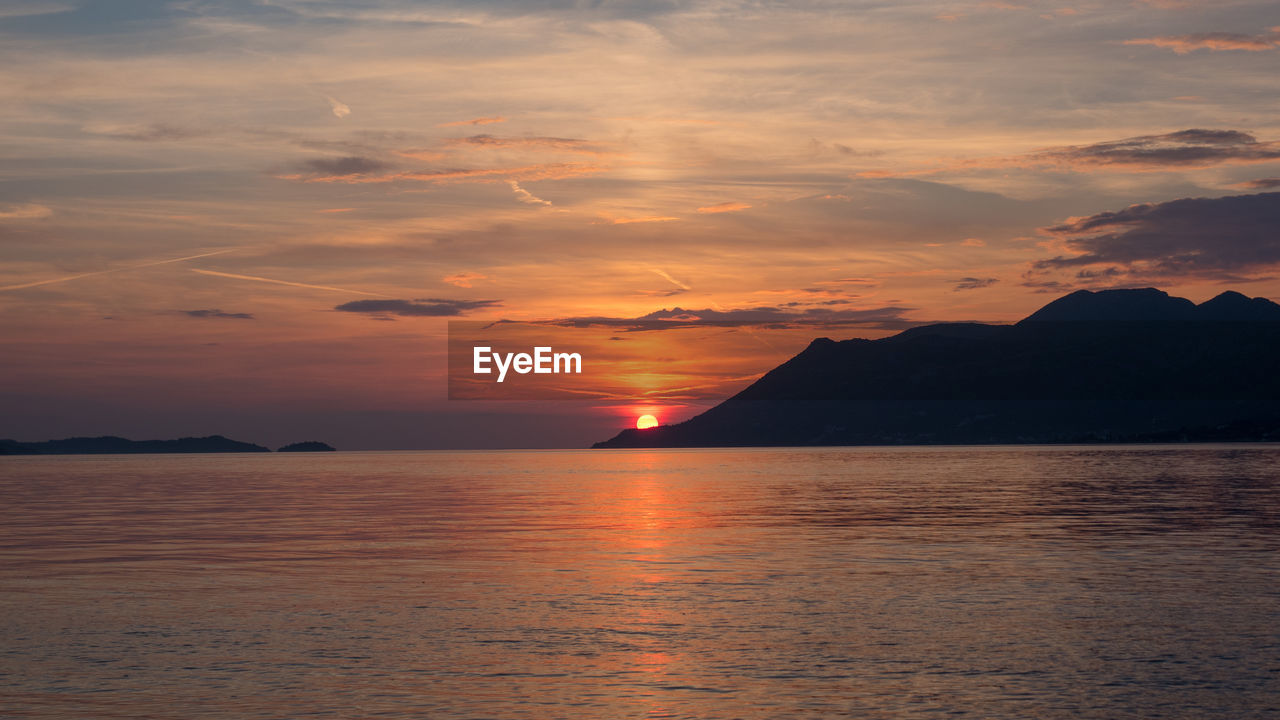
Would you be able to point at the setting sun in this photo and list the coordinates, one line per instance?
(646, 421)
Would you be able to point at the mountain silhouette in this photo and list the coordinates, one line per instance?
(1151, 305)
(1108, 366)
(112, 445)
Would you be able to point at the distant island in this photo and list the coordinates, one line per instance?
(1108, 366)
(112, 445)
(311, 446)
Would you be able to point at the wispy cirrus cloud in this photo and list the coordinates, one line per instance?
(724, 207)
(474, 121)
(631, 219)
(153, 132)
(364, 170)
(421, 307)
(525, 196)
(27, 211)
(1217, 41)
(464, 279)
(339, 108)
(570, 145)
(18, 8)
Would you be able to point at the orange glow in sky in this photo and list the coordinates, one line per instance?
(697, 192)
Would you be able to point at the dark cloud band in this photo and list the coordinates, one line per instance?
(422, 307)
(1227, 237)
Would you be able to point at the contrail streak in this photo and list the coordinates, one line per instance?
(664, 275)
(283, 282)
(105, 272)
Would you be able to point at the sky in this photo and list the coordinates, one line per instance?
(257, 218)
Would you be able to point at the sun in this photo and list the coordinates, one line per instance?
(645, 422)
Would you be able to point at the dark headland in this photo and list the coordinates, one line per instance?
(1108, 366)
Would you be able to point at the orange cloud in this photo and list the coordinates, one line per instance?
(474, 121)
(724, 207)
(545, 171)
(641, 219)
(1183, 44)
(30, 211)
(525, 196)
(464, 279)
(572, 145)
(848, 281)
(1190, 149)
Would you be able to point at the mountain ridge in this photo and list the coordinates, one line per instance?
(1105, 366)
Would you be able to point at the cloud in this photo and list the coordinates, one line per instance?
(1223, 238)
(475, 121)
(1180, 150)
(340, 109)
(341, 168)
(155, 132)
(771, 316)
(254, 278)
(972, 283)
(28, 211)
(422, 307)
(640, 219)
(1184, 149)
(1183, 44)
(724, 207)
(536, 143)
(849, 281)
(1043, 287)
(1260, 184)
(347, 173)
(215, 313)
(66, 278)
(28, 9)
(667, 276)
(525, 196)
(464, 279)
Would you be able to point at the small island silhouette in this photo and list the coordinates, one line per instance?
(1131, 365)
(112, 445)
(309, 446)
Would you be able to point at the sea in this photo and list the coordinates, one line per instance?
(908, 582)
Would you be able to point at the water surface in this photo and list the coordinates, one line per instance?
(995, 582)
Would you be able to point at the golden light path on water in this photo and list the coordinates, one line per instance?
(999, 582)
